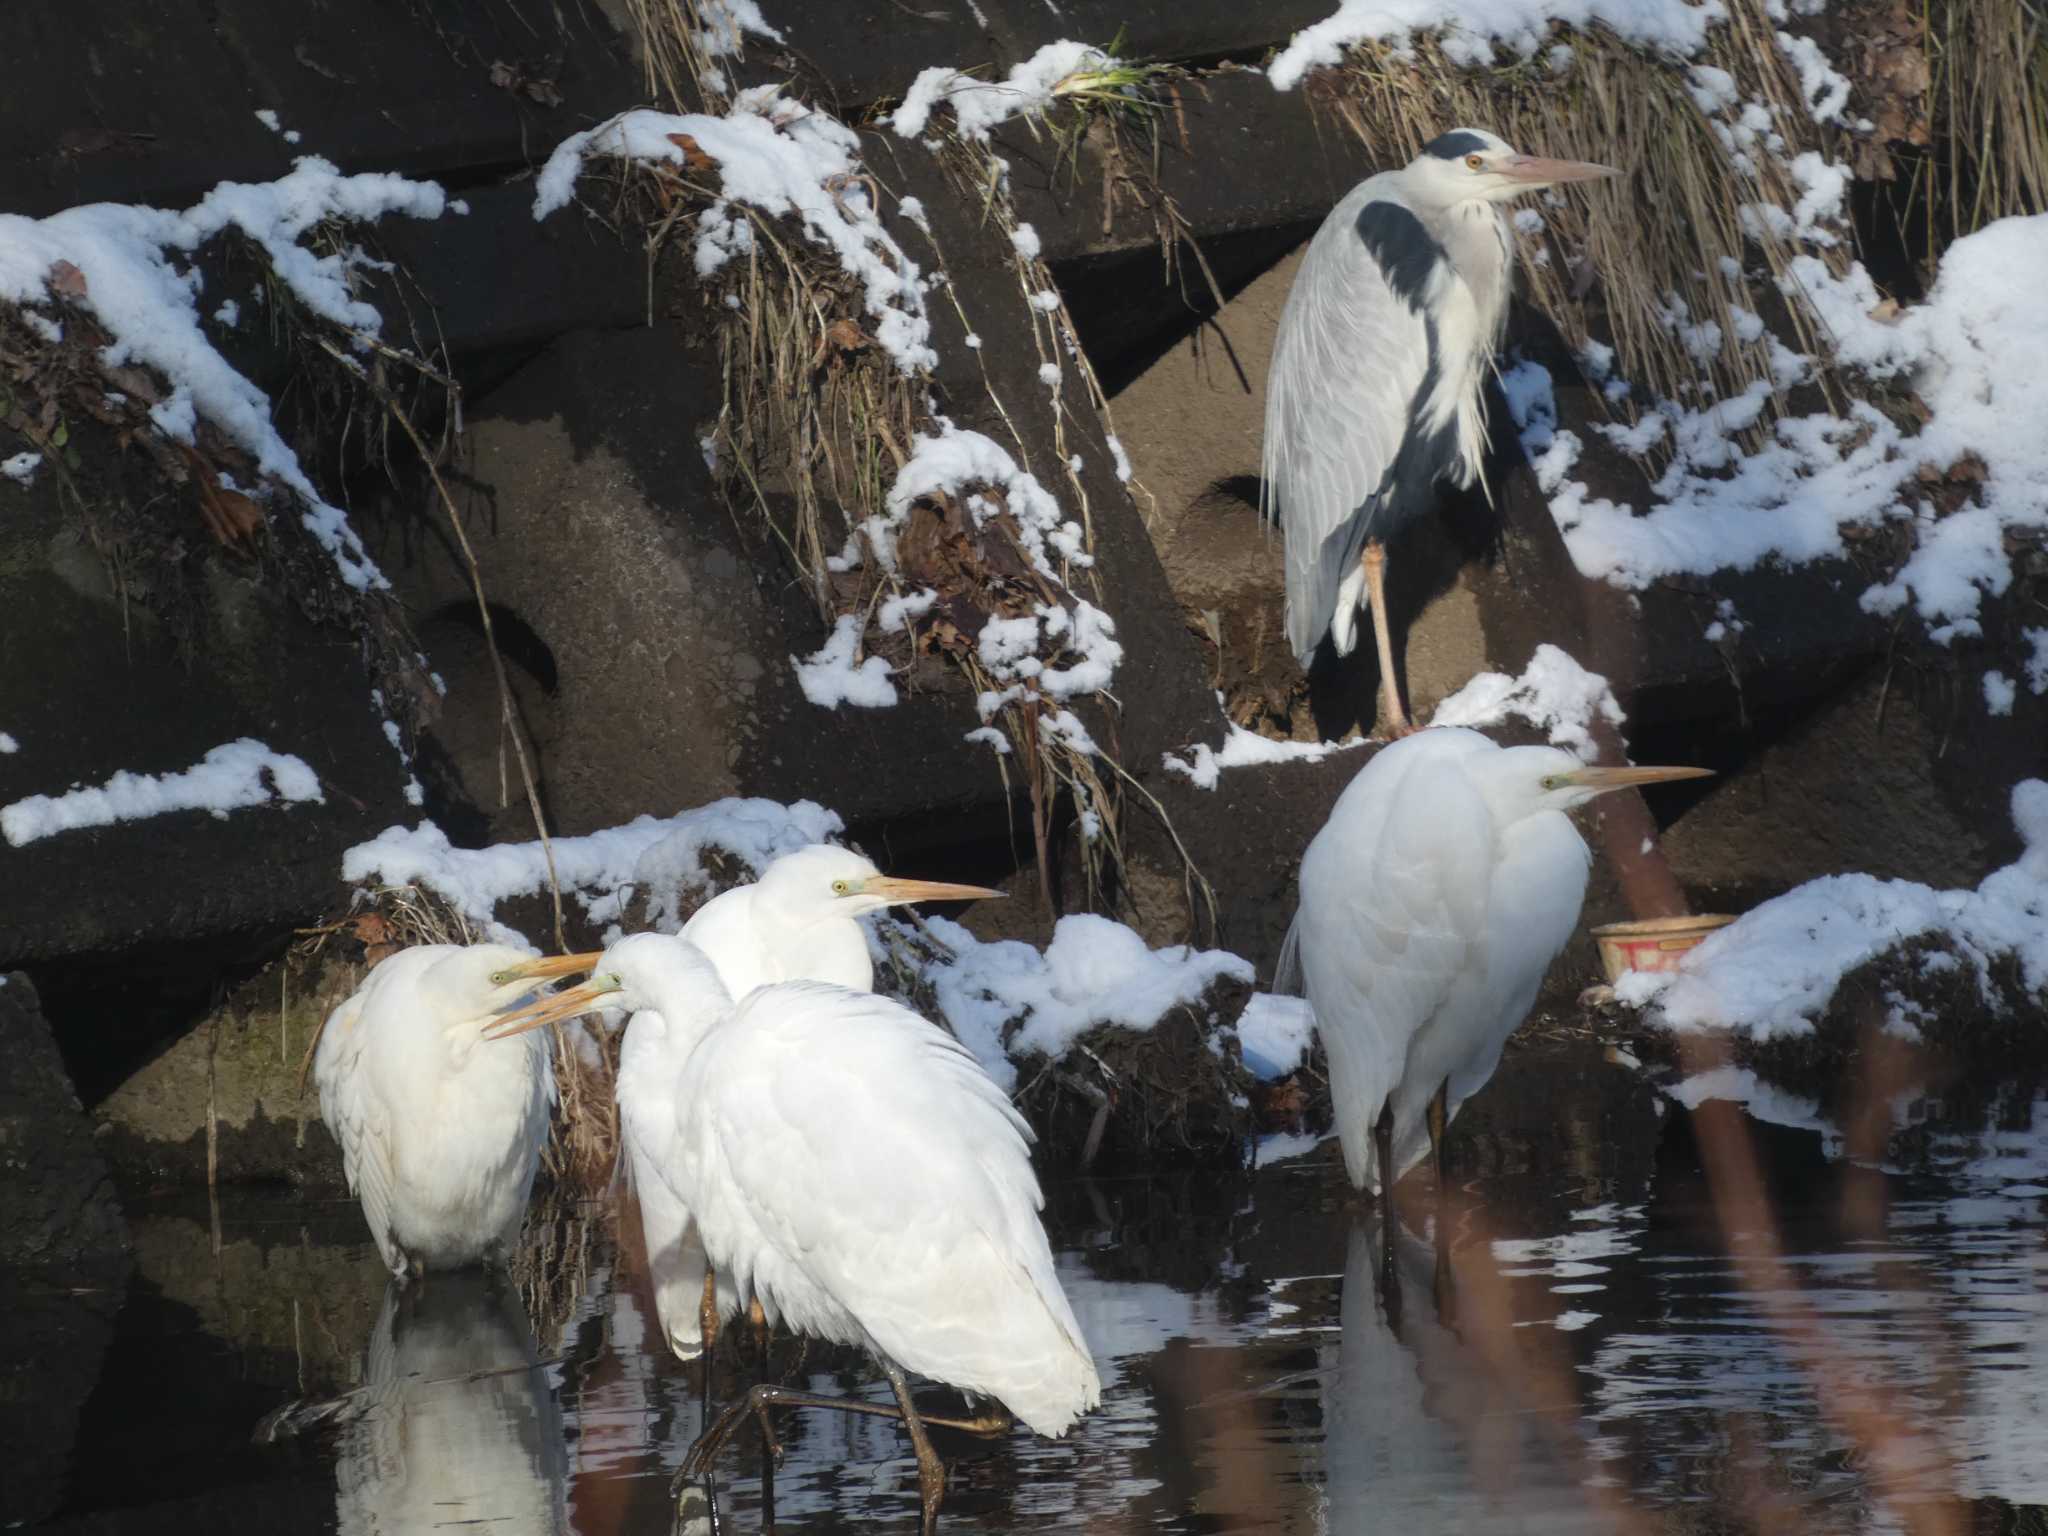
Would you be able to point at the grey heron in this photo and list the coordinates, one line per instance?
(1376, 389)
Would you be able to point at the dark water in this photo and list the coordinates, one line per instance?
(1866, 1349)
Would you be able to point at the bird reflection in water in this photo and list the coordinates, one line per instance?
(1419, 1431)
(456, 1422)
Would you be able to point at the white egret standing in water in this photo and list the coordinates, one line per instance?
(851, 1166)
(1446, 880)
(798, 922)
(1376, 389)
(439, 1139)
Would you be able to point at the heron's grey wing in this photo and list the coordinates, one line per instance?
(1353, 352)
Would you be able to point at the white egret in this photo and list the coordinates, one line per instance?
(852, 1167)
(439, 1140)
(798, 922)
(1376, 388)
(1446, 880)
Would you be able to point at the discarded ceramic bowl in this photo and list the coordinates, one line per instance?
(1654, 944)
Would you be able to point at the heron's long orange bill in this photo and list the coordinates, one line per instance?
(1538, 172)
(1604, 779)
(899, 891)
(565, 1004)
(547, 967)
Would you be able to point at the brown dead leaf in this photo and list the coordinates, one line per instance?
(694, 156)
(66, 280)
(132, 382)
(232, 518)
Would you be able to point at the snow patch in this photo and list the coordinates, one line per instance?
(1241, 748)
(980, 105)
(1470, 31)
(662, 855)
(781, 158)
(1273, 1033)
(832, 677)
(1554, 693)
(1007, 1000)
(229, 778)
(1773, 970)
(150, 307)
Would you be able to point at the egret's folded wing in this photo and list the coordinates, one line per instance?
(869, 1145)
(353, 1116)
(1353, 350)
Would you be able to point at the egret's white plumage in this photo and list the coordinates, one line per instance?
(1376, 390)
(440, 1133)
(799, 921)
(1446, 880)
(852, 1166)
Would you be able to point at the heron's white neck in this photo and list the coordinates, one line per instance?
(1470, 320)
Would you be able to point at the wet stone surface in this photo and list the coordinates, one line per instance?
(1869, 1351)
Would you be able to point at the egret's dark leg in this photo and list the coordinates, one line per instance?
(1439, 1124)
(759, 1319)
(1383, 1144)
(1439, 1127)
(1374, 562)
(762, 1399)
(707, 1325)
(707, 1312)
(931, 1472)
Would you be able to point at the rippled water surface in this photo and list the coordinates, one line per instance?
(1611, 1351)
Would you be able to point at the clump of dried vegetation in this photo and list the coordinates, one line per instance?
(818, 420)
(155, 509)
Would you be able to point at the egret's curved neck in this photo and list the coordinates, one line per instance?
(685, 990)
(825, 946)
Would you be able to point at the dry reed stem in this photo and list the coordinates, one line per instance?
(508, 715)
(1988, 90)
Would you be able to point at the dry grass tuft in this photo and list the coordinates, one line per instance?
(1988, 102)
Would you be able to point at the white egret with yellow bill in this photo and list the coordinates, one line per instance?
(439, 1138)
(1446, 880)
(799, 922)
(851, 1166)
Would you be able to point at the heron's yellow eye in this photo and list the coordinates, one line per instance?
(839, 887)
(1552, 781)
(1474, 161)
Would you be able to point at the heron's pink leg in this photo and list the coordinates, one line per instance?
(1374, 562)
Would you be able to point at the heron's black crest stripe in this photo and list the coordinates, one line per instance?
(1405, 251)
(1455, 145)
